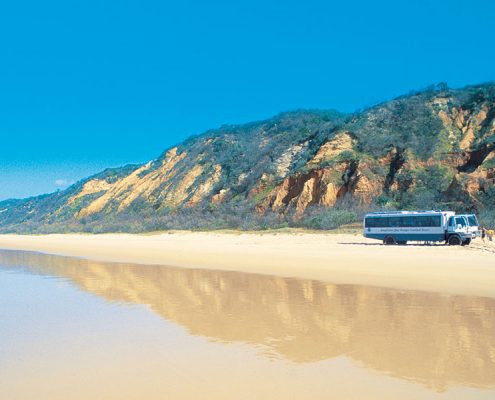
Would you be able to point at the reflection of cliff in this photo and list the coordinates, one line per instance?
(433, 339)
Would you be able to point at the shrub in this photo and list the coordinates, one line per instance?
(327, 218)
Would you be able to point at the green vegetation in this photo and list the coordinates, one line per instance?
(325, 218)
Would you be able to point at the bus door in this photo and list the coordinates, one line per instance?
(451, 225)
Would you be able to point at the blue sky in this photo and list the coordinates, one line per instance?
(89, 84)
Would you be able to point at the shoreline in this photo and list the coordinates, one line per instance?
(332, 257)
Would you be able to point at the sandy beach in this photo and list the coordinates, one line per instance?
(337, 258)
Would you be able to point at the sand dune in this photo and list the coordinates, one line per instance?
(337, 258)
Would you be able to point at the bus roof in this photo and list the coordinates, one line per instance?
(398, 213)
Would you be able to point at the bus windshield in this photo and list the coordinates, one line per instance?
(460, 221)
(472, 220)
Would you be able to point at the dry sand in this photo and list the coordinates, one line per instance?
(337, 258)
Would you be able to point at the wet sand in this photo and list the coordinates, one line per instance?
(80, 329)
(337, 258)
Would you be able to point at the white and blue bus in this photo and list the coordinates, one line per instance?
(399, 227)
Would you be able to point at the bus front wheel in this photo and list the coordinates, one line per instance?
(454, 240)
(389, 240)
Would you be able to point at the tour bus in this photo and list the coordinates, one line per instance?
(399, 227)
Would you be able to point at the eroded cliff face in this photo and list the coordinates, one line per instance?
(324, 187)
(471, 126)
(342, 167)
(161, 181)
(429, 148)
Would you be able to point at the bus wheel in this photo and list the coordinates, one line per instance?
(389, 240)
(466, 242)
(454, 240)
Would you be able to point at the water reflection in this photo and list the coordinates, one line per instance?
(433, 339)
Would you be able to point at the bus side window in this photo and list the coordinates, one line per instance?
(394, 222)
(451, 221)
(409, 222)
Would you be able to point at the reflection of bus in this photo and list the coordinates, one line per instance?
(399, 227)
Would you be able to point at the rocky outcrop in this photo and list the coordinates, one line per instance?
(287, 159)
(301, 191)
(332, 149)
(326, 186)
(205, 188)
(141, 182)
(89, 188)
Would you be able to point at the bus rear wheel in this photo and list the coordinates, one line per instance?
(454, 240)
(389, 240)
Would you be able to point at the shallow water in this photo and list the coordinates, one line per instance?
(76, 329)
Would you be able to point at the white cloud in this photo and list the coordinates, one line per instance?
(61, 182)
